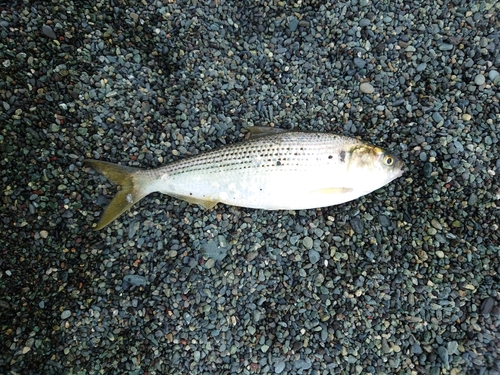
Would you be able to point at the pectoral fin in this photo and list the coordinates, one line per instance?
(334, 190)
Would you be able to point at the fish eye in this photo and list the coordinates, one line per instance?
(388, 160)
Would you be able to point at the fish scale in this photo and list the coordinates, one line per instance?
(274, 170)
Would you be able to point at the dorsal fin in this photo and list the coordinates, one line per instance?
(262, 131)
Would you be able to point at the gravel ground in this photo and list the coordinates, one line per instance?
(403, 281)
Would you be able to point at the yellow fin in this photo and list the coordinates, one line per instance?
(126, 197)
(332, 190)
(207, 204)
(263, 131)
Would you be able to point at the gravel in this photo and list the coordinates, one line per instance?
(404, 280)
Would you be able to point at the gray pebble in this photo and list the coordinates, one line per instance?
(444, 355)
(427, 170)
(363, 22)
(53, 128)
(487, 305)
(436, 116)
(279, 367)
(135, 280)
(65, 314)
(479, 79)
(214, 250)
(453, 348)
(307, 242)
(472, 200)
(421, 67)
(493, 74)
(360, 63)
(293, 24)
(357, 225)
(48, 32)
(446, 47)
(366, 88)
(314, 256)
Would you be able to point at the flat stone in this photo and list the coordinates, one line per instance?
(366, 88)
(48, 32)
(479, 79)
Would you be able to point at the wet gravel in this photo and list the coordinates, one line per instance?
(404, 280)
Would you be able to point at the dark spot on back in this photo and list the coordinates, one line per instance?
(342, 156)
(330, 156)
(278, 163)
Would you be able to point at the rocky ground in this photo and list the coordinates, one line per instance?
(402, 281)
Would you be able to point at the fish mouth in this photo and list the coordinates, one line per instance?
(400, 166)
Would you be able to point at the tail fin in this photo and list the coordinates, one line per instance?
(129, 194)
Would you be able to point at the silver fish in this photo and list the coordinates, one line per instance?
(274, 169)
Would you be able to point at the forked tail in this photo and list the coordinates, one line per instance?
(129, 194)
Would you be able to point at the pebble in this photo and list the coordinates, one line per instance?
(314, 256)
(436, 116)
(135, 280)
(387, 283)
(308, 242)
(48, 32)
(279, 367)
(366, 88)
(479, 79)
(443, 354)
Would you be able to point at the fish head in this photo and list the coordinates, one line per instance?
(372, 167)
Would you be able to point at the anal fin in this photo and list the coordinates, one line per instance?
(206, 203)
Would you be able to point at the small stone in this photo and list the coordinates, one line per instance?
(466, 117)
(366, 88)
(307, 242)
(453, 348)
(363, 22)
(439, 254)
(53, 128)
(48, 32)
(444, 355)
(293, 24)
(436, 116)
(479, 80)
(436, 224)
(446, 47)
(421, 67)
(210, 263)
(65, 314)
(357, 225)
(314, 256)
(135, 280)
(264, 348)
(44, 234)
(279, 367)
(472, 200)
(360, 63)
(493, 74)
(487, 305)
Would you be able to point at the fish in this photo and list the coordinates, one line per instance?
(274, 169)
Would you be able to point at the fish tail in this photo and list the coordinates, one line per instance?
(130, 193)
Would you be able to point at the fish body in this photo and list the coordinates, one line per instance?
(273, 170)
